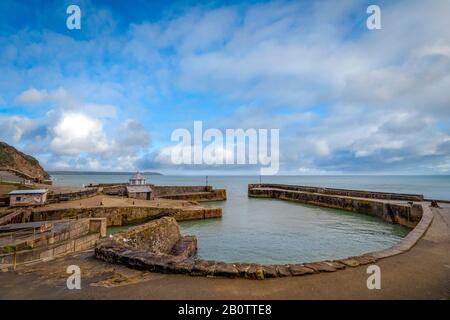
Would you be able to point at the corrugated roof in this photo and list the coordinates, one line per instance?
(134, 189)
(31, 191)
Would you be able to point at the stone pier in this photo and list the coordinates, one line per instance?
(407, 210)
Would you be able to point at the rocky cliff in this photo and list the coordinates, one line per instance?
(11, 158)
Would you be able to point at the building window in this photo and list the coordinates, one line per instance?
(18, 198)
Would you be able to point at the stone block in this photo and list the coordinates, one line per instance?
(349, 262)
(300, 270)
(184, 266)
(212, 213)
(226, 270)
(242, 268)
(365, 259)
(270, 271)
(320, 267)
(255, 271)
(203, 268)
(283, 271)
(186, 247)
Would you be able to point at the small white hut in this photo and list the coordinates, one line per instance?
(137, 179)
(33, 197)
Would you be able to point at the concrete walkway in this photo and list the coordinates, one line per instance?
(421, 273)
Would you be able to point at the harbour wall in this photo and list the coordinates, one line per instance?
(118, 216)
(118, 253)
(68, 196)
(190, 193)
(343, 192)
(407, 214)
(77, 236)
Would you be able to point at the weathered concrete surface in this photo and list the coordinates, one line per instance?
(420, 273)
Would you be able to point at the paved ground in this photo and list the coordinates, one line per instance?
(111, 201)
(421, 273)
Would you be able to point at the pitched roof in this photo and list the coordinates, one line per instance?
(31, 191)
(135, 189)
(137, 176)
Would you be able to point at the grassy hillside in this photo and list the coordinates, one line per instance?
(12, 158)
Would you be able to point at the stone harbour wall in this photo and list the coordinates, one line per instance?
(214, 195)
(342, 192)
(68, 196)
(50, 252)
(414, 215)
(118, 216)
(192, 193)
(161, 191)
(152, 243)
(76, 236)
(406, 214)
(116, 252)
(158, 236)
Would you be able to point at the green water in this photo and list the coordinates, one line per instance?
(275, 231)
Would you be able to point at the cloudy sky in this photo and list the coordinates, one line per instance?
(347, 100)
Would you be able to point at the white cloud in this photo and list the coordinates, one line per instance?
(64, 101)
(341, 95)
(33, 96)
(76, 133)
(13, 128)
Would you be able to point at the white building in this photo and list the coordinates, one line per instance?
(137, 180)
(33, 197)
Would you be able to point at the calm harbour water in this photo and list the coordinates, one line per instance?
(273, 231)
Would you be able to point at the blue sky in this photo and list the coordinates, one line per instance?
(347, 100)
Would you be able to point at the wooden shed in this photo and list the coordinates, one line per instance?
(32, 197)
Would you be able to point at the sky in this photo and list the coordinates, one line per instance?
(346, 99)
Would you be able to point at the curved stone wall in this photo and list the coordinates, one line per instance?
(405, 213)
(142, 260)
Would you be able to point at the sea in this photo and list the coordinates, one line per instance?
(274, 231)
